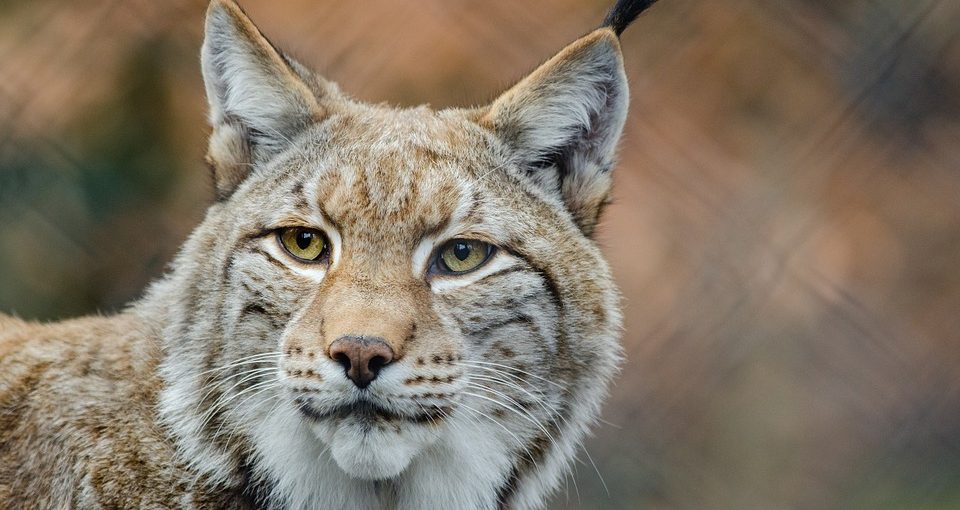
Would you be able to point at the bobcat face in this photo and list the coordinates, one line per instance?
(408, 292)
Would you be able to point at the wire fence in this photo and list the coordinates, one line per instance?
(786, 225)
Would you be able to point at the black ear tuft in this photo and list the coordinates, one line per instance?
(624, 12)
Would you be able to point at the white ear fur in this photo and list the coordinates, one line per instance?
(258, 100)
(564, 120)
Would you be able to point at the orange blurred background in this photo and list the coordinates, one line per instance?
(786, 225)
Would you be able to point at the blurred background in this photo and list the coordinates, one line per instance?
(786, 229)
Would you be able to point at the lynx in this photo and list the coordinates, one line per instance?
(383, 308)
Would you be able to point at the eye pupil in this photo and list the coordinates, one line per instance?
(462, 256)
(462, 251)
(304, 239)
(303, 243)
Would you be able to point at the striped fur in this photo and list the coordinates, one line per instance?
(217, 390)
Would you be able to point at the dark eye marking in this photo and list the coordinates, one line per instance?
(271, 259)
(502, 272)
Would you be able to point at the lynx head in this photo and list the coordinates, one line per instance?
(387, 287)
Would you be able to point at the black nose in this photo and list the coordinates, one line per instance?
(361, 357)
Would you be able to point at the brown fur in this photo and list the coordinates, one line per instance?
(57, 383)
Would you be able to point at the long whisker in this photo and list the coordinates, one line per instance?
(516, 410)
(221, 402)
(256, 358)
(596, 469)
(539, 399)
(525, 449)
(552, 411)
(244, 376)
(555, 414)
(473, 417)
(263, 388)
(508, 367)
(226, 398)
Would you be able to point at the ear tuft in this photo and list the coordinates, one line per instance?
(258, 100)
(564, 120)
(623, 13)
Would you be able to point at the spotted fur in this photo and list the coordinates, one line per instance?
(218, 388)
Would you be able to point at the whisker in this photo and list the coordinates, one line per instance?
(268, 387)
(516, 410)
(245, 375)
(221, 401)
(476, 362)
(540, 399)
(596, 469)
(260, 358)
(525, 449)
(554, 415)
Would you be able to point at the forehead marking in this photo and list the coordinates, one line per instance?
(324, 222)
(452, 226)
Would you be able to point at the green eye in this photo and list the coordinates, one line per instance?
(463, 255)
(303, 243)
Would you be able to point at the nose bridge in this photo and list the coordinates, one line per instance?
(356, 307)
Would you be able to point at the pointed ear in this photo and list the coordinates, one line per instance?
(563, 122)
(259, 100)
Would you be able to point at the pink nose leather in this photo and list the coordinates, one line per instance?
(361, 357)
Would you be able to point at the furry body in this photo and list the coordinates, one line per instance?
(220, 388)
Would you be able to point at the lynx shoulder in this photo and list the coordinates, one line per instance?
(383, 308)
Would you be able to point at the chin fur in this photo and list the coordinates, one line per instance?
(372, 450)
